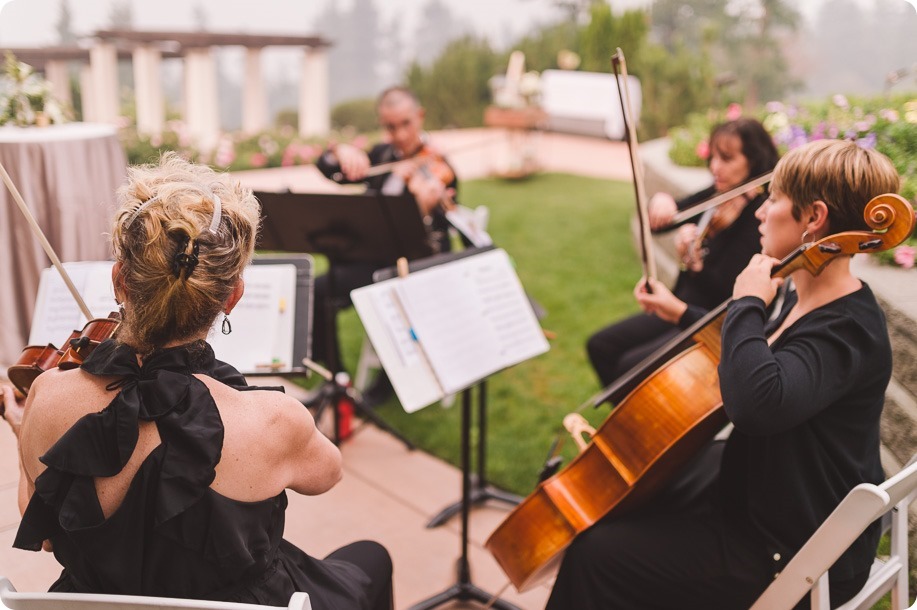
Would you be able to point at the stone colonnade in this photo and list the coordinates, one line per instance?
(100, 88)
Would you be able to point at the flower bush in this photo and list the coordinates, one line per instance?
(25, 97)
(281, 147)
(888, 124)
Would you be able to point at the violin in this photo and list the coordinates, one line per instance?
(430, 164)
(36, 359)
(668, 407)
(713, 221)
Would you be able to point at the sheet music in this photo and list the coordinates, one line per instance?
(472, 318)
(262, 321)
(465, 320)
(407, 367)
(56, 312)
(469, 224)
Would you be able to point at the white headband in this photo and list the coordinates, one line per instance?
(214, 223)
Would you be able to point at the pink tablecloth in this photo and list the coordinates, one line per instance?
(67, 175)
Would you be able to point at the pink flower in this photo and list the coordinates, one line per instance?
(904, 256)
(733, 112)
(258, 159)
(702, 150)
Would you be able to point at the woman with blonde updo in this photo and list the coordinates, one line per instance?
(145, 470)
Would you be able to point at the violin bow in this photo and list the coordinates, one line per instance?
(646, 248)
(384, 168)
(33, 224)
(722, 198)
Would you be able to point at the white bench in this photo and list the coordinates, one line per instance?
(587, 102)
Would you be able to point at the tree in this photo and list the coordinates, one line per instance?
(354, 59)
(429, 38)
(606, 32)
(454, 88)
(121, 16)
(745, 40)
(756, 42)
(64, 25)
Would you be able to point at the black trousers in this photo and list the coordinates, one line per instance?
(347, 277)
(374, 560)
(617, 348)
(676, 553)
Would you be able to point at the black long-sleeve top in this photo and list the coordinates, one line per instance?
(728, 252)
(806, 413)
(386, 153)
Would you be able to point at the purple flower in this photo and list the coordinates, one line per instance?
(774, 106)
(867, 141)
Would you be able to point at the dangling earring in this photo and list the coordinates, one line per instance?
(805, 234)
(227, 327)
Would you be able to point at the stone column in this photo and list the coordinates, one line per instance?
(314, 112)
(104, 60)
(58, 75)
(151, 110)
(202, 112)
(254, 100)
(87, 96)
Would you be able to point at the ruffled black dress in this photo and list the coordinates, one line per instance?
(172, 536)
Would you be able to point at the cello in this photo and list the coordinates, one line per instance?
(668, 408)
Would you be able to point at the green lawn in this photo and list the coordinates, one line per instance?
(570, 242)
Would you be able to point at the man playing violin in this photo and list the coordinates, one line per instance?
(423, 174)
(804, 392)
(713, 250)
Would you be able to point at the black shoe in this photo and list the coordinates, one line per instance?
(380, 391)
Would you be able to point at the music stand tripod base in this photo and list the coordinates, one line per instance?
(464, 589)
(481, 491)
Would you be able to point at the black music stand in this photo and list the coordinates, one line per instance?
(368, 228)
(481, 490)
(464, 589)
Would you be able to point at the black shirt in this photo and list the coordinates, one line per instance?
(806, 413)
(386, 153)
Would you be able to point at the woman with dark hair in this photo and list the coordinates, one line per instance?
(711, 257)
(146, 470)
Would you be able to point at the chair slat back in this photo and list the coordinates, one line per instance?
(14, 600)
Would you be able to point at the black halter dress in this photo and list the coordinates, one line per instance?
(172, 536)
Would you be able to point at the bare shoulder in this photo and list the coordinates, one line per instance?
(260, 410)
(64, 396)
(57, 400)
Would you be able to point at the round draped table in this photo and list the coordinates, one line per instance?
(67, 175)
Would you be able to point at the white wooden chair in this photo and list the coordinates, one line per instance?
(14, 600)
(807, 572)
